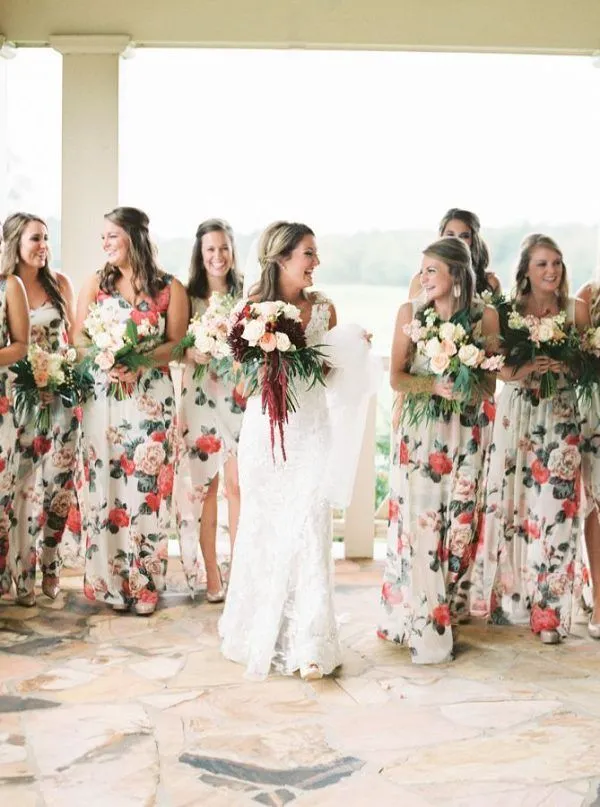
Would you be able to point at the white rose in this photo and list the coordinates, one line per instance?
(447, 332)
(103, 340)
(432, 348)
(449, 347)
(439, 364)
(204, 343)
(253, 331)
(283, 341)
(459, 333)
(270, 308)
(291, 312)
(545, 330)
(470, 355)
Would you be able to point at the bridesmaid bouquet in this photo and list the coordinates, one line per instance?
(120, 343)
(452, 352)
(43, 375)
(590, 363)
(527, 337)
(208, 333)
(268, 341)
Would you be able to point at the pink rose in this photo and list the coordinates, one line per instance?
(268, 342)
(105, 360)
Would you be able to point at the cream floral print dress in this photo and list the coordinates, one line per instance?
(210, 418)
(8, 456)
(435, 482)
(45, 491)
(528, 564)
(128, 454)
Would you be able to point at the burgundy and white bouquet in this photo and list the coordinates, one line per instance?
(118, 342)
(526, 337)
(453, 352)
(207, 332)
(268, 341)
(44, 375)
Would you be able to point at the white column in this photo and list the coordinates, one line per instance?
(359, 524)
(90, 146)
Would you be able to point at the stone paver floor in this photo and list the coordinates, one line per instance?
(98, 708)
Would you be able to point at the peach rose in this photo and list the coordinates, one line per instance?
(268, 342)
(149, 458)
(61, 503)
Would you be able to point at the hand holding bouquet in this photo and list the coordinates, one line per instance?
(527, 338)
(268, 341)
(453, 353)
(207, 333)
(42, 376)
(120, 345)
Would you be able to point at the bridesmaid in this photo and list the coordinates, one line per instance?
(47, 462)
(210, 417)
(129, 443)
(590, 467)
(529, 553)
(14, 338)
(465, 225)
(436, 474)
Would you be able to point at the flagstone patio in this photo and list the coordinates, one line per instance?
(99, 708)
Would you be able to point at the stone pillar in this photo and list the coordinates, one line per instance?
(90, 146)
(359, 526)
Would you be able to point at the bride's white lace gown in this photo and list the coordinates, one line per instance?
(279, 609)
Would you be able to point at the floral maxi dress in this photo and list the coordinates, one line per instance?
(528, 564)
(8, 456)
(210, 418)
(435, 480)
(128, 451)
(45, 498)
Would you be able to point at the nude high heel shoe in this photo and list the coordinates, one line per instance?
(218, 596)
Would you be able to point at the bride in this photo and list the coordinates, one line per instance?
(279, 609)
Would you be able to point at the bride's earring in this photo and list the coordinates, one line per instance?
(456, 290)
(525, 285)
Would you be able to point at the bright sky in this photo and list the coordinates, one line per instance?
(344, 141)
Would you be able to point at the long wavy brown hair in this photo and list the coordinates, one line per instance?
(12, 232)
(480, 254)
(455, 254)
(198, 278)
(276, 243)
(148, 277)
(522, 287)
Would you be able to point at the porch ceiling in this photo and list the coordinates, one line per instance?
(528, 26)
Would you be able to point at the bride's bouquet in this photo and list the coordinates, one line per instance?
(42, 376)
(268, 341)
(120, 343)
(527, 337)
(453, 352)
(208, 334)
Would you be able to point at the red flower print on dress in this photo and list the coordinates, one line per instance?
(78, 412)
(41, 445)
(127, 465)
(74, 519)
(4, 405)
(146, 595)
(539, 472)
(393, 510)
(544, 619)
(403, 453)
(159, 437)
(489, 410)
(441, 614)
(208, 444)
(440, 463)
(153, 501)
(119, 517)
(139, 316)
(570, 508)
(532, 529)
